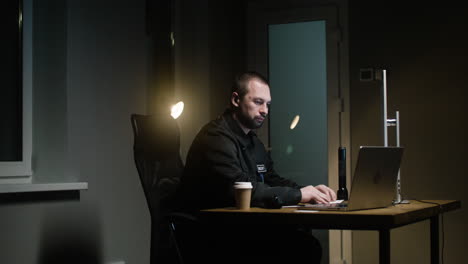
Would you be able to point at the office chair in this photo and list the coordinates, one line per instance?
(157, 159)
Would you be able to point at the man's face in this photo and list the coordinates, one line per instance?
(253, 107)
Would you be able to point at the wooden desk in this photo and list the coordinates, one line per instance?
(381, 220)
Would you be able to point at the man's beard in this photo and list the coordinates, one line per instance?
(250, 123)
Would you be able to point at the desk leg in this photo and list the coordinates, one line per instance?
(384, 246)
(435, 240)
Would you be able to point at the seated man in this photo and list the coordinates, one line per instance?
(227, 150)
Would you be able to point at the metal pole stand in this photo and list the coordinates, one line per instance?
(387, 123)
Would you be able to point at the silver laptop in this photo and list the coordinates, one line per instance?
(374, 181)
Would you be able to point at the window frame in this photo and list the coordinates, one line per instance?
(21, 171)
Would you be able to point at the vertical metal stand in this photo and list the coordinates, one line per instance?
(387, 123)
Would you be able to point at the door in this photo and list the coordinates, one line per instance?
(298, 49)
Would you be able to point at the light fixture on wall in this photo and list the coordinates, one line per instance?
(177, 109)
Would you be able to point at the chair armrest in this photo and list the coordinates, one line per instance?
(181, 217)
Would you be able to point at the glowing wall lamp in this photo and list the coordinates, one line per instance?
(177, 109)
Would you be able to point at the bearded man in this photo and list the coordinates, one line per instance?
(227, 150)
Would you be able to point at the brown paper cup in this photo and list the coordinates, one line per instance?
(243, 194)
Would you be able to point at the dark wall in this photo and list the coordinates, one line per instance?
(227, 46)
(424, 51)
(209, 51)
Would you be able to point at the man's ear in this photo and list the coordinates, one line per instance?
(235, 99)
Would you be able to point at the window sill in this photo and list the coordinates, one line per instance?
(20, 193)
(42, 187)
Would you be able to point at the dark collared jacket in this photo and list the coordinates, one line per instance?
(222, 154)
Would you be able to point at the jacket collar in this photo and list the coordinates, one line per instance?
(244, 139)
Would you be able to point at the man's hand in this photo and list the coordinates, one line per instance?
(318, 194)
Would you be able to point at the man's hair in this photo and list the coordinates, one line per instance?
(241, 81)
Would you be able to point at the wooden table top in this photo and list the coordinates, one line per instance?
(372, 219)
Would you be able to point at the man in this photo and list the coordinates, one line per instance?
(227, 150)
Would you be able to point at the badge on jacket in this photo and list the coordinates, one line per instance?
(261, 169)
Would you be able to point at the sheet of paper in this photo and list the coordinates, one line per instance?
(302, 205)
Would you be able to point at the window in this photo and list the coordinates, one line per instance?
(16, 99)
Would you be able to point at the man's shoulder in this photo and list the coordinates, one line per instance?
(217, 127)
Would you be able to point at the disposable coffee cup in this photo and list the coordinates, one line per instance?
(243, 194)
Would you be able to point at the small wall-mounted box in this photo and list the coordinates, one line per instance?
(366, 75)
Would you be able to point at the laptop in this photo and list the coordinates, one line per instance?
(374, 181)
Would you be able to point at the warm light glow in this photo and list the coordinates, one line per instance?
(172, 39)
(177, 109)
(294, 122)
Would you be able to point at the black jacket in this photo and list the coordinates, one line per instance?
(222, 154)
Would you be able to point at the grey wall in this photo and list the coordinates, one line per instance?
(90, 74)
(424, 50)
(92, 61)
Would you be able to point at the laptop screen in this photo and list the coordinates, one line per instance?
(375, 177)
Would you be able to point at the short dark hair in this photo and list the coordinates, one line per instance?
(241, 81)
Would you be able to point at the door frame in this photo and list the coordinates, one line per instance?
(335, 12)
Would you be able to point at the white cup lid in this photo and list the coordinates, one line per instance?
(243, 185)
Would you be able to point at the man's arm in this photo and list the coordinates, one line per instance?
(274, 179)
(226, 164)
(317, 194)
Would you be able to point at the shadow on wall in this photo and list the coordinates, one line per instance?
(70, 233)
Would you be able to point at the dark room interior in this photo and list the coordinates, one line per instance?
(94, 63)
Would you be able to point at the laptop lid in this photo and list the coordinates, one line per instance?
(375, 177)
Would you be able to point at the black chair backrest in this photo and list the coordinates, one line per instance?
(156, 151)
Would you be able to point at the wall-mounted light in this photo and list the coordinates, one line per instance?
(177, 109)
(294, 122)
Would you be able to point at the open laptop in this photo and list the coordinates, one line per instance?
(374, 181)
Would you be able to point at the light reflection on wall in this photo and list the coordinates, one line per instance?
(289, 149)
(294, 122)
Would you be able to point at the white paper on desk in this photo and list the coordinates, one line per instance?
(302, 205)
